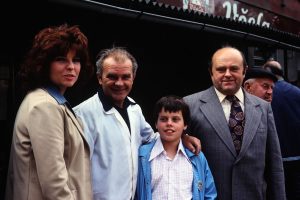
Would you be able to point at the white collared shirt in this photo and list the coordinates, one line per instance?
(170, 179)
(226, 105)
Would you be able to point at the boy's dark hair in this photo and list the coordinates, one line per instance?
(172, 103)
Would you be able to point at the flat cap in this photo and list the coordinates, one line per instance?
(259, 73)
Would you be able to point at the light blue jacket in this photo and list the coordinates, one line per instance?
(203, 182)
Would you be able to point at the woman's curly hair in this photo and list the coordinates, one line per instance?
(48, 44)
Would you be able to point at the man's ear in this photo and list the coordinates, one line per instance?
(185, 127)
(99, 79)
(245, 69)
(247, 86)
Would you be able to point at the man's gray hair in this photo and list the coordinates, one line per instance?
(120, 54)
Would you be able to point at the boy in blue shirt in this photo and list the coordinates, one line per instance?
(168, 170)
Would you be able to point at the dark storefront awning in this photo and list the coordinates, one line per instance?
(163, 13)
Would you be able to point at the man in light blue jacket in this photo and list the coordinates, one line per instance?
(115, 127)
(168, 170)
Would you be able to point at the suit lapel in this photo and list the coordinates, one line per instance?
(253, 118)
(212, 109)
(75, 121)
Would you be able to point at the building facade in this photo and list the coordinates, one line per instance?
(171, 40)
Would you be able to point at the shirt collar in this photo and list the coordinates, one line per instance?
(181, 148)
(158, 149)
(54, 92)
(108, 104)
(239, 94)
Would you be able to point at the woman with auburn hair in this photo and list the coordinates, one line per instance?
(49, 156)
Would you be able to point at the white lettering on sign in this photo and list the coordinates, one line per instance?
(232, 12)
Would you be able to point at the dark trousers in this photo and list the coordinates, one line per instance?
(292, 179)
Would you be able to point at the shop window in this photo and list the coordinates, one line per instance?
(257, 56)
(4, 85)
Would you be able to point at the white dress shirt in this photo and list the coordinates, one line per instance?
(170, 179)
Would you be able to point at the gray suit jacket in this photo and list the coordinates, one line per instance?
(256, 172)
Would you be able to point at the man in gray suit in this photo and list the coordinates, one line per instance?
(246, 164)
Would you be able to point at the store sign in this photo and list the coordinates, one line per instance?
(243, 14)
(239, 11)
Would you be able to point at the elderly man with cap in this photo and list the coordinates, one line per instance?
(260, 83)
